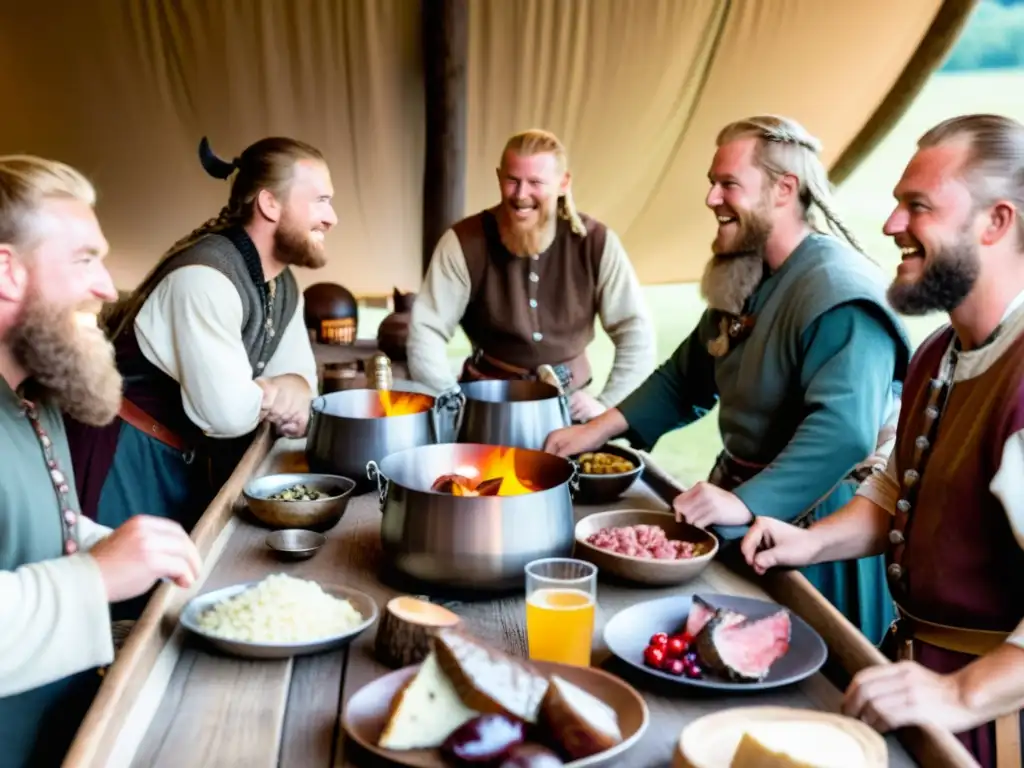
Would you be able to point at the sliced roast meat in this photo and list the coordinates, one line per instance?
(744, 650)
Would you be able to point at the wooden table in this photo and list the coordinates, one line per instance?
(169, 701)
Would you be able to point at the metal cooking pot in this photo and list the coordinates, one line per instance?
(481, 542)
(346, 430)
(515, 413)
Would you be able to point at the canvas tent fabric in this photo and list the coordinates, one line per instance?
(637, 89)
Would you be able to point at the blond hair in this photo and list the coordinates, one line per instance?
(994, 169)
(538, 142)
(25, 182)
(784, 146)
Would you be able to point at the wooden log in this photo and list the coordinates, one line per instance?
(445, 39)
(405, 630)
(929, 745)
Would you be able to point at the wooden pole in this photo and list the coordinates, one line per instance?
(445, 52)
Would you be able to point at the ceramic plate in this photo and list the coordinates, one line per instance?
(629, 631)
(197, 605)
(367, 711)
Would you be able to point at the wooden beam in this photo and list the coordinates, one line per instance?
(445, 53)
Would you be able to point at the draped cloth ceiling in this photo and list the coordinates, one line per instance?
(637, 89)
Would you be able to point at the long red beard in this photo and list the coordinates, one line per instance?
(74, 364)
(524, 240)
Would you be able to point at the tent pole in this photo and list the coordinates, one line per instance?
(445, 51)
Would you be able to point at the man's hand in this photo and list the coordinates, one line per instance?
(891, 696)
(143, 550)
(770, 543)
(583, 406)
(570, 441)
(286, 403)
(705, 504)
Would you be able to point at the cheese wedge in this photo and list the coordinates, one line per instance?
(425, 712)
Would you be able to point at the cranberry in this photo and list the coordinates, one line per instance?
(654, 656)
(675, 667)
(694, 672)
(659, 639)
(675, 647)
(690, 657)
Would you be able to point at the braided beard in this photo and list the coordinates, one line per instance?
(72, 362)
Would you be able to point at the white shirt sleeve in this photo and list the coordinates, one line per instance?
(56, 622)
(436, 314)
(294, 353)
(190, 327)
(882, 487)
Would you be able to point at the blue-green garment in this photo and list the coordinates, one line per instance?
(37, 726)
(804, 395)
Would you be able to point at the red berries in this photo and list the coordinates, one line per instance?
(673, 654)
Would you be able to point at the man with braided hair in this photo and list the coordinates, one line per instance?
(797, 347)
(525, 280)
(212, 342)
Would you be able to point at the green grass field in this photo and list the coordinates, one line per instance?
(865, 201)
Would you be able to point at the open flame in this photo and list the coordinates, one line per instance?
(498, 473)
(393, 403)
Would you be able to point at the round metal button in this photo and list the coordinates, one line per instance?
(895, 571)
(537, 335)
(896, 537)
(910, 477)
(922, 443)
(533, 303)
(534, 277)
(903, 506)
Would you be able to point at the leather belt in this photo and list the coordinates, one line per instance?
(146, 424)
(574, 374)
(974, 642)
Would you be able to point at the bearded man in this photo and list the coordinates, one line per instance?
(948, 509)
(797, 347)
(212, 342)
(58, 570)
(525, 280)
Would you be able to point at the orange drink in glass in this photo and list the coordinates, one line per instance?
(561, 597)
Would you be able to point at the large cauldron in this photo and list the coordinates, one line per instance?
(481, 542)
(516, 413)
(347, 430)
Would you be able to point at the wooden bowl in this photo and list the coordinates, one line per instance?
(603, 489)
(366, 713)
(644, 570)
(712, 740)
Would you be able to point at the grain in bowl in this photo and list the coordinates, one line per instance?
(281, 609)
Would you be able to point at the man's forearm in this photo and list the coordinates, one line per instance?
(993, 685)
(859, 529)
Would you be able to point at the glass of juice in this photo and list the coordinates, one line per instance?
(561, 595)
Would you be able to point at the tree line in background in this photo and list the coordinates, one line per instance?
(992, 39)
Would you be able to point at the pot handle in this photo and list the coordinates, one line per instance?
(574, 478)
(563, 402)
(451, 401)
(373, 472)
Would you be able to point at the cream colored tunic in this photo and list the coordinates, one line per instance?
(445, 294)
(190, 328)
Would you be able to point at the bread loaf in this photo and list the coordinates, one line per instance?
(582, 724)
(488, 680)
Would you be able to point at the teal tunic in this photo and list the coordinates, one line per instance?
(804, 396)
(37, 726)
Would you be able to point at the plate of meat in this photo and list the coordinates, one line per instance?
(722, 642)
(645, 546)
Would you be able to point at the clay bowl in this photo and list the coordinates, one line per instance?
(643, 570)
(603, 489)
